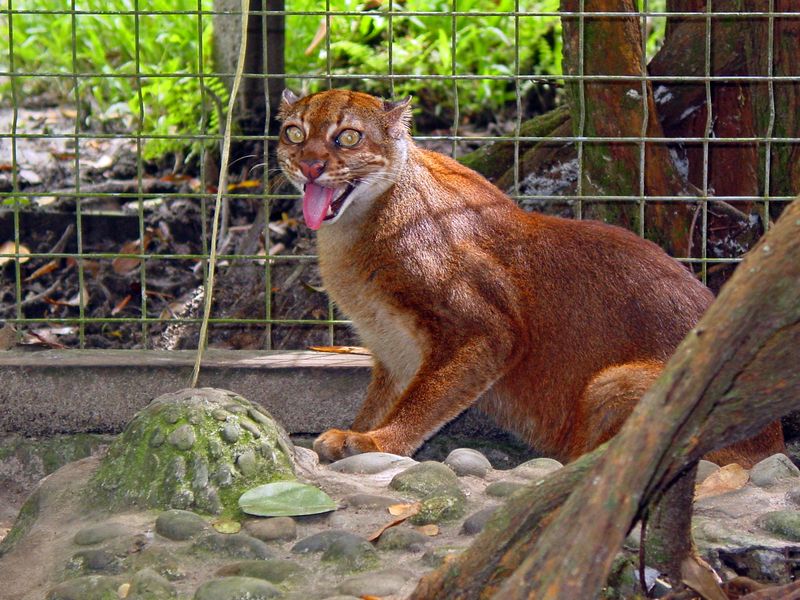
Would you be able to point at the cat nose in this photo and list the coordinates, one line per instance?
(312, 168)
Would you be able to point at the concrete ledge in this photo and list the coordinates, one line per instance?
(75, 391)
(98, 391)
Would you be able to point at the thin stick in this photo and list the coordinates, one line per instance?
(208, 296)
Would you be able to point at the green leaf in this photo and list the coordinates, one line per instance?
(286, 499)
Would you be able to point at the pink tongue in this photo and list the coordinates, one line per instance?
(316, 200)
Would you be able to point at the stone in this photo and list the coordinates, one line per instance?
(772, 470)
(236, 588)
(403, 538)
(369, 501)
(503, 489)
(89, 587)
(378, 583)
(436, 557)
(149, 585)
(183, 437)
(320, 542)
(179, 524)
(536, 468)
(271, 529)
(426, 479)
(466, 461)
(96, 560)
(705, 468)
(237, 545)
(783, 523)
(94, 534)
(793, 496)
(134, 473)
(230, 433)
(247, 462)
(370, 463)
(274, 570)
(439, 509)
(220, 414)
(477, 521)
(351, 553)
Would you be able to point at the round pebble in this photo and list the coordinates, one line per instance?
(477, 521)
(274, 570)
(230, 433)
(369, 501)
(147, 584)
(275, 528)
(370, 463)
(351, 554)
(403, 538)
(772, 470)
(503, 489)
(95, 534)
(783, 523)
(82, 588)
(236, 588)
(705, 468)
(466, 461)
(426, 479)
(179, 525)
(377, 583)
(237, 545)
(246, 462)
(320, 542)
(536, 468)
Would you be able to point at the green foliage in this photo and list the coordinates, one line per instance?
(50, 46)
(154, 77)
(423, 45)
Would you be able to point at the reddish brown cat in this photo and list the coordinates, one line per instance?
(558, 326)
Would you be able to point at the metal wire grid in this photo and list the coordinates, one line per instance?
(14, 200)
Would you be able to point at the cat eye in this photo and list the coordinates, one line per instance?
(348, 138)
(294, 134)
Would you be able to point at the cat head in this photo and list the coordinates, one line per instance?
(342, 149)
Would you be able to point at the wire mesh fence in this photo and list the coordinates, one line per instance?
(111, 115)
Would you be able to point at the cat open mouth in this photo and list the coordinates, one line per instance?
(320, 205)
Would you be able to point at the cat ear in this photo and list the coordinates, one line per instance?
(398, 117)
(288, 98)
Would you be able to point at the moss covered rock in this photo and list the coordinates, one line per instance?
(178, 452)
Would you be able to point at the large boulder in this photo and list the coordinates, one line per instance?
(197, 449)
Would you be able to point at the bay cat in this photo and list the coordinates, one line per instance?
(558, 326)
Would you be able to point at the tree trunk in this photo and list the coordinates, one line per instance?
(612, 46)
(734, 374)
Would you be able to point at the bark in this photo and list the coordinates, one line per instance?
(733, 375)
(613, 46)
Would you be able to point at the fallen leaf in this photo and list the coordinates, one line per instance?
(63, 155)
(226, 526)
(728, 478)
(10, 247)
(46, 268)
(431, 529)
(398, 509)
(410, 511)
(341, 349)
(34, 338)
(123, 590)
(120, 306)
(126, 264)
(698, 575)
(6, 167)
(286, 499)
(311, 288)
(76, 300)
(247, 184)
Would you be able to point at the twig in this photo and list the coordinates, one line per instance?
(222, 186)
(62, 241)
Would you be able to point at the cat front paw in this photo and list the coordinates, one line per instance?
(335, 444)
